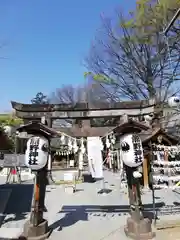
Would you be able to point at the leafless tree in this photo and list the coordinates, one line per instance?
(131, 64)
(66, 94)
(90, 92)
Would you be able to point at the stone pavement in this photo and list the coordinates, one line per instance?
(82, 215)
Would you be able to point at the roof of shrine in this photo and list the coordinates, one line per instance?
(146, 136)
(130, 125)
(35, 127)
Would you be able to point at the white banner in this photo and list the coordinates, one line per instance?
(95, 160)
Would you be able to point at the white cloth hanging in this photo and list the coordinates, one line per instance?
(95, 159)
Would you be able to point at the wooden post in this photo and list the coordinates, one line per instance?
(145, 173)
(134, 194)
(118, 160)
(38, 201)
(166, 158)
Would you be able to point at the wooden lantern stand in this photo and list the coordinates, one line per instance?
(36, 228)
(137, 227)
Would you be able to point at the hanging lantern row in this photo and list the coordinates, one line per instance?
(63, 153)
(72, 144)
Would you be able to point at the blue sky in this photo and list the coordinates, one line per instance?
(43, 43)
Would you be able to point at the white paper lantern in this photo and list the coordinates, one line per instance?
(107, 143)
(137, 174)
(101, 145)
(174, 101)
(83, 150)
(36, 155)
(113, 140)
(75, 146)
(70, 144)
(8, 130)
(131, 149)
(75, 149)
(62, 139)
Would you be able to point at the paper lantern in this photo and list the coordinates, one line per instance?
(101, 145)
(8, 130)
(82, 148)
(75, 146)
(62, 139)
(36, 155)
(132, 151)
(174, 101)
(108, 144)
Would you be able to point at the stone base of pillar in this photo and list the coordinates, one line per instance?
(40, 232)
(146, 189)
(50, 179)
(139, 230)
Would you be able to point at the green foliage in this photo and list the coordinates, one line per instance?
(6, 143)
(100, 78)
(154, 15)
(9, 120)
(40, 98)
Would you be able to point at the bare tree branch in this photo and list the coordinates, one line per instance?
(134, 63)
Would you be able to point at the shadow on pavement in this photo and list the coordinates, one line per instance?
(88, 178)
(19, 238)
(76, 213)
(20, 200)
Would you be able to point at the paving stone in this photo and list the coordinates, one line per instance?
(83, 214)
(4, 198)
